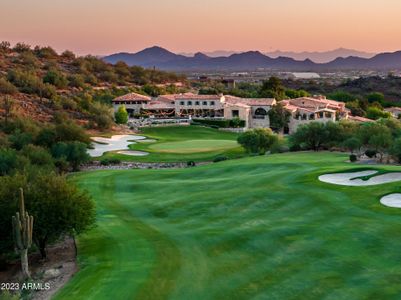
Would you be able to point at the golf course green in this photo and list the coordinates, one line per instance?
(255, 228)
(183, 144)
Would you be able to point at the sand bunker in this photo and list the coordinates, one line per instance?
(351, 180)
(133, 153)
(392, 200)
(116, 142)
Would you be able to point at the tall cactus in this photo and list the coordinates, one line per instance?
(22, 229)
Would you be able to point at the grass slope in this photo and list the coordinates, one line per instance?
(255, 228)
(182, 144)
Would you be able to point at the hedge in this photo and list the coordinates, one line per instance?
(219, 123)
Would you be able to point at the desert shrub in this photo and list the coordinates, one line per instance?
(68, 103)
(67, 54)
(73, 152)
(352, 158)
(21, 47)
(45, 52)
(20, 139)
(77, 81)
(28, 60)
(370, 153)
(7, 87)
(102, 115)
(56, 78)
(110, 161)
(191, 163)
(8, 161)
(37, 155)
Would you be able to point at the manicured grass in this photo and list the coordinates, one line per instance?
(182, 144)
(193, 146)
(255, 228)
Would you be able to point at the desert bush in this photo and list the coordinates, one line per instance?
(353, 158)
(370, 153)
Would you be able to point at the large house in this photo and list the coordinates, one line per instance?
(254, 111)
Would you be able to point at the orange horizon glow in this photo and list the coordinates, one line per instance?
(103, 27)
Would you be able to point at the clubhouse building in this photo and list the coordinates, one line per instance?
(254, 111)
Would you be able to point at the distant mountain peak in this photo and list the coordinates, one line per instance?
(161, 58)
(200, 55)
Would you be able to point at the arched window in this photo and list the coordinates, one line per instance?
(189, 103)
(260, 112)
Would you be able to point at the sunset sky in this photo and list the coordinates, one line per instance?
(105, 26)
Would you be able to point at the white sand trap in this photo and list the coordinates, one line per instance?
(116, 142)
(133, 153)
(347, 178)
(392, 200)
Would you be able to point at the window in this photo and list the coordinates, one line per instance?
(311, 116)
(235, 113)
(189, 103)
(211, 103)
(304, 117)
(328, 115)
(204, 103)
(320, 114)
(197, 103)
(182, 103)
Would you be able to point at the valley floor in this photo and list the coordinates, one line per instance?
(255, 228)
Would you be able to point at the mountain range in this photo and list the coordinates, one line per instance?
(317, 57)
(163, 59)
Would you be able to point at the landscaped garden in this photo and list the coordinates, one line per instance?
(181, 144)
(260, 227)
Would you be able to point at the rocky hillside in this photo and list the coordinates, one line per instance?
(41, 82)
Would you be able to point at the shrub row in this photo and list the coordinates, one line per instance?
(237, 123)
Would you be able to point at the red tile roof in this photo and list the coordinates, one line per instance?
(156, 105)
(132, 97)
(190, 96)
(251, 101)
(359, 119)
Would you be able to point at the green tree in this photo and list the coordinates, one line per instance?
(279, 117)
(352, 144)
(375, 136)
(310, 136)
(272, 88)
(73, 152)
(376, 97)
(375, 113)
(396, 149)
(57, 206)
(257, 141)
(121, 115)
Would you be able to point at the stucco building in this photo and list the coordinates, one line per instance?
(254, 111)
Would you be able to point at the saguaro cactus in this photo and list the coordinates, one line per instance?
(22, 229)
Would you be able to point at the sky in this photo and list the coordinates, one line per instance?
(102, 27)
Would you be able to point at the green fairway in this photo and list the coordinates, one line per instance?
(255, 228)
(191, 146)
(182, 144)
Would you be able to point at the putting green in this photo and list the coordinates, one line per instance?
(193, 146)
(183, 144)
(254, 228)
